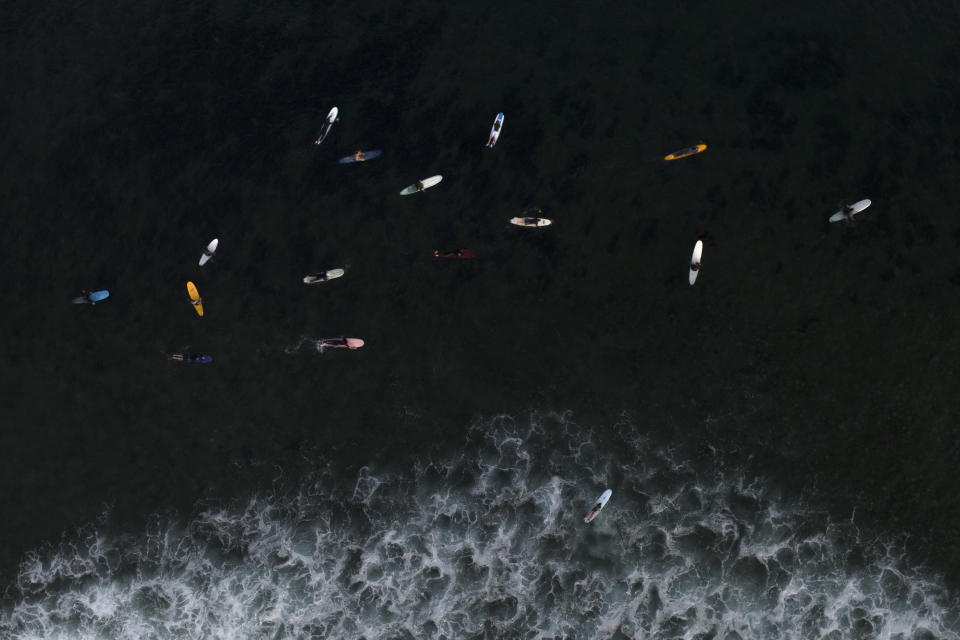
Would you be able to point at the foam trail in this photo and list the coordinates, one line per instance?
(316, 343)
(490, 543)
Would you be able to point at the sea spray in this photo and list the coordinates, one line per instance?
(490, 542)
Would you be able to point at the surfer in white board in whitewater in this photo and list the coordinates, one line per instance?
(595, 510)
(598, 505)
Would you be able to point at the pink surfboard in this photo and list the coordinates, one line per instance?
(341, 343)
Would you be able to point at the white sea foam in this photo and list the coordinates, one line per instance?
(316, 343)
(491, 543)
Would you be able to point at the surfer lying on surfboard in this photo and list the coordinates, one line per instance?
(686, 153)
(341, 342)
(495, 130)
(194, 358)
(598, 505)
(454, 253)
(92, 298)
(332, 117)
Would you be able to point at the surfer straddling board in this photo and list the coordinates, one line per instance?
(420, 185)
(361, 156)
(209, 252)
(195, 298)
(850, 210)
(695, 261)
(531, 218)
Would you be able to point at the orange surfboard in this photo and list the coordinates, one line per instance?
(195, 298)
(685, 153)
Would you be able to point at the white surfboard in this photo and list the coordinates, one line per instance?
(426, 183)
(327, 125)
(495, 130)
(209, 251)
(598, 506)
(695, 261)
(855, 208)
(330, 274)
(531, 221)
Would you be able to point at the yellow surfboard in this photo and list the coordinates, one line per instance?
(195, 298)
(684, 153)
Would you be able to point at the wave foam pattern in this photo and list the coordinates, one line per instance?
(487, 544)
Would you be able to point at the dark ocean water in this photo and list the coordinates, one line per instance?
(819, 357)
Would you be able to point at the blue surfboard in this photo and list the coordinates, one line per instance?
(361, 156)
(96, 296)
(191, 358)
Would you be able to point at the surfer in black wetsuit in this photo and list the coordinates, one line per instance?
(593, 512)
(694, 266)
(419, 185)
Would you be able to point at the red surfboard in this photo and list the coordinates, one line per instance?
(455, 254)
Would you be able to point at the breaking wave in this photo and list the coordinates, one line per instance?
(491, 543)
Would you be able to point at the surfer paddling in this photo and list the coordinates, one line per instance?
(332, 117)
(341, 343)
(495, 131)
(594, 511)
